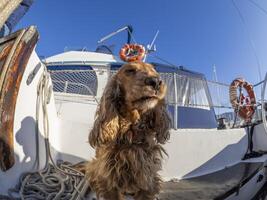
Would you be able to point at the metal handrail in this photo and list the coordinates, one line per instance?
(67, 83)
(263, 112)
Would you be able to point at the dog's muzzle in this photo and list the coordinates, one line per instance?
(155, 82)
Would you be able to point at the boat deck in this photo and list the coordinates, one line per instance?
(217, 185)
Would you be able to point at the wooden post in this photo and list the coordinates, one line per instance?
(16, 51)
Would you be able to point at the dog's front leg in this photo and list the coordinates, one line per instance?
(152, 193)
(145, 195)
(113, 195)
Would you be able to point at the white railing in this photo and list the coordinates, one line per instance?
(71, 87)
(263, 101)
(183, 91)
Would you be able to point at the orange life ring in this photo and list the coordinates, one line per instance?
(244, 105)
(132, 52)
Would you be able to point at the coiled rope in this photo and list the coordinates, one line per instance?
(55, 181)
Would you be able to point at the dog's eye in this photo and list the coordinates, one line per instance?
(130, 71)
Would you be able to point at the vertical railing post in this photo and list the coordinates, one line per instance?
(263, 112)
(175, 123)
(66, 86)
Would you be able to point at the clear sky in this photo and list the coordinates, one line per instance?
(192, 33)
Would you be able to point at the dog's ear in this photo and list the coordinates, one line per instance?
(106, 123)
(162, 123)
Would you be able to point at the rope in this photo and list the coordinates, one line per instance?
(258, 6)
(50, 184)
(56, 181)
(251, 42)
(163, 60)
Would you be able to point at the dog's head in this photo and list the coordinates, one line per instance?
(141, 86)
(134, 90)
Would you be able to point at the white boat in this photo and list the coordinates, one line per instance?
(47, 110)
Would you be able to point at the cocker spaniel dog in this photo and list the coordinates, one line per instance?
(130, 126)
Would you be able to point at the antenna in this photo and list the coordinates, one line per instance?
(215, 79)
(251, 42)
(151, 47)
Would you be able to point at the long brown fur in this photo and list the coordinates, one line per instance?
(131, 124)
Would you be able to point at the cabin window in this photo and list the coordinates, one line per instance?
(191, 92)
(186, 91)
(188, 101)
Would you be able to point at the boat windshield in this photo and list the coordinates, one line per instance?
(188, 98)
(191, 92)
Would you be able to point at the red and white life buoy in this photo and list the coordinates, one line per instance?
(244, 105)
(132, 52)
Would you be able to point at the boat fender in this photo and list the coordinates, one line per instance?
(243, 105)
(132, 52)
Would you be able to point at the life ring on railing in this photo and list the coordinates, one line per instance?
(132, 52)
(243, 105)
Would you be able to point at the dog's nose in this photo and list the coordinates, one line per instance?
(155, 82)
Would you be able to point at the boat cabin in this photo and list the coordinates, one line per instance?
(188, 99)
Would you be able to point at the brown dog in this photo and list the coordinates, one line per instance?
(131, 124)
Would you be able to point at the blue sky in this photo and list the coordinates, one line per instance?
(192, 33)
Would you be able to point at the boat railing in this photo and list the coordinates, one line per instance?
(183, 92)
(223, 108)
(261, 99)
(263, 103)
(72, 88)
(80, 82)
(182, 89)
